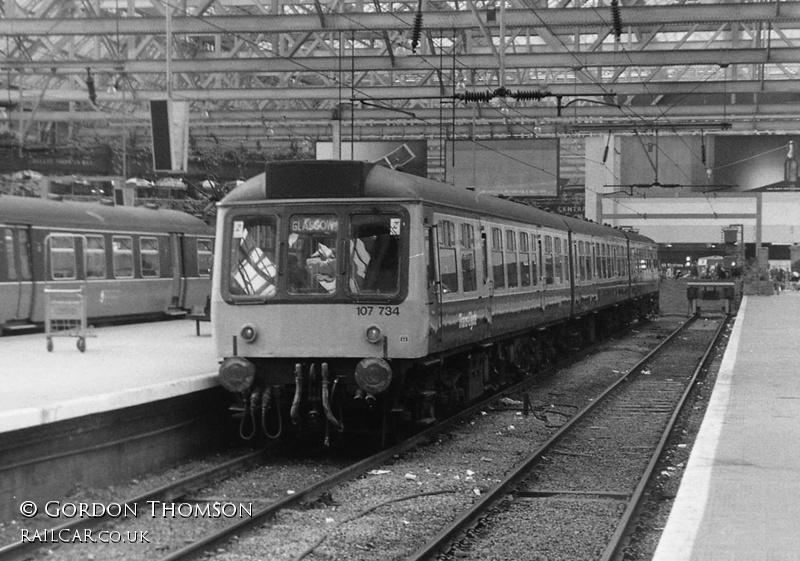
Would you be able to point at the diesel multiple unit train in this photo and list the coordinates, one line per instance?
(129, 262)
(351, 297)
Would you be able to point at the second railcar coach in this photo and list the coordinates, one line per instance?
(130, 262)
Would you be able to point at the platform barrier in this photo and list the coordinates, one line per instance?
(722, 290)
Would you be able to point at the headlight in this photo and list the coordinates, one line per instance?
(237, 374)
(373, 375)
(373, 334)
(248, 333)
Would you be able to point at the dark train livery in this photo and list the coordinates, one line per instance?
(352, 296)
(130, 262)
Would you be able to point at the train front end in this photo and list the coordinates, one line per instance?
(313, 310)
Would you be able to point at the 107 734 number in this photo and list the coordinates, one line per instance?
(378, 310)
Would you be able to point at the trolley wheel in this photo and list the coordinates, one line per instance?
(81, 344)
(49, 344)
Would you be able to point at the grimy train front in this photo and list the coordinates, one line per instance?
(340, 303)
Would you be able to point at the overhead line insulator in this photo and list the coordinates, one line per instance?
(616, 19)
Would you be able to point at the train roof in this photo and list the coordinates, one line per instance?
(334, 179)
(95, 216)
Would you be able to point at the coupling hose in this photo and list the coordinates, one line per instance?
(298, 393)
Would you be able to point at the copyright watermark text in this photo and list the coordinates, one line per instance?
(151, 509)
(66, 535)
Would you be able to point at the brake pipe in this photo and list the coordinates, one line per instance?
(298, 393)
(249, 405)
(326, 402)
(266, 404)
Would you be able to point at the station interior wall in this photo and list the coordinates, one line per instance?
(680, 216)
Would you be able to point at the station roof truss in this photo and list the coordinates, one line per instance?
(400, 69)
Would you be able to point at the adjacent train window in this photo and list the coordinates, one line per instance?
(549, 267)
(205, 256)
(253, 256)
(24, 255)
(123, 257)
(62, 257)
(448, 272)
(469, 269)
(601, 260)
(524, 260)
(598, 271)
(497, 258)
(559, 260)
(94, 257)
(11, 267)
(587, 259)
(512, 272)
(311, 264)
(149, 258)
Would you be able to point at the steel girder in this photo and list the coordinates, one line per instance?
(535, 66)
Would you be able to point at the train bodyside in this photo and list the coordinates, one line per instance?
(408, 291)
(130, 262)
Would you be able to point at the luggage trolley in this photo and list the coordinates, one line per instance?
(65, 308)
(65, 316)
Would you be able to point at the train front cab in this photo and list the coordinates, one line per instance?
(315, 307)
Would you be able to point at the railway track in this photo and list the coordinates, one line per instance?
(164, 494)
(581, 477)
(221, 533)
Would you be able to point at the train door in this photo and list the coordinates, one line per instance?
(17, 304)
(434, 286)
(488, 281)
(178, 271)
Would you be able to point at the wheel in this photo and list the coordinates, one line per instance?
(81, 344)
(49, 344)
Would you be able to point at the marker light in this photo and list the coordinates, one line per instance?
(373, 334)
(248, 333)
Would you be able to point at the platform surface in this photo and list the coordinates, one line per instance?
(739, 499)
(123, 365)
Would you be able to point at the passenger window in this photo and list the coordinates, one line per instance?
(497, 258)
(24, 255)
(524, 259)
(123, 257)
(253, 256)
(94, 259)
(205, 256)
(149, 258)
(469, 272)
(374, 248)
(8, 237)
(559, 261)
(62, 257)
(512, 273)
(549, 267)
(448, 271)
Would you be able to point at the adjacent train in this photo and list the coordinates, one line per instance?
(131, 263)
(351, 297)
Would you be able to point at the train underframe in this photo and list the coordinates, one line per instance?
(332, 398)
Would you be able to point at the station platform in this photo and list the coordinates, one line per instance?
(738, 498)
(122, 366)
